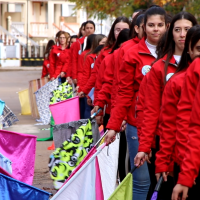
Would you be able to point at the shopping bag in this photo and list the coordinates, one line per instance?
(43, 99)
(64, 159)
(66, 111)
(35, 85)
(62, 92)
(8, 118)
(24, 102)
(63, 132)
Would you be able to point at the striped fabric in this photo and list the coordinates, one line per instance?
(34, 85)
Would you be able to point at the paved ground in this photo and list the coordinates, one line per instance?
(12, 81)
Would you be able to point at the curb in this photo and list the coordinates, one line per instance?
(37, 68)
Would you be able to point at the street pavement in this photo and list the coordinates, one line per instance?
(11, 82)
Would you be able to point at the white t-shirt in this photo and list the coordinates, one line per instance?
(177, 58)
(152, 48)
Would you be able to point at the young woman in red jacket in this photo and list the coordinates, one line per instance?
(77, 48)
(81, 58)
(160, 73)
(114, 31)
(187, 141)
(135, 60)
(167, 125)
(46, 63)
(89, 60)
(59, 58)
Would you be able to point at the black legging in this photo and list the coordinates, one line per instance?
(167, 187)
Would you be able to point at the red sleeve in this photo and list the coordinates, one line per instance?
(58, 69)
(81, 63)
(140, 105)
(170, 100)
(99, 79)
(52, 60)
(125, 92)
(66, 62)
(91, 82)
(44, 68)
(70, 67)
(151, 110)
(191, 163)
(104, 95)
(75, 55)
(86, 71)
(185, 107)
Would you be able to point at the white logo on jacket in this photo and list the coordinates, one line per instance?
(146, 69)
(48, 65)
(58, 54)
(169, 76)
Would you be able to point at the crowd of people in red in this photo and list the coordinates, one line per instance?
(145, 76)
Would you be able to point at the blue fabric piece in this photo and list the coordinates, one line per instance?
(2, 104)
(5, 163)
(11, 189)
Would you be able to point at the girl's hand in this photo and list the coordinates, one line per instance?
(89, 102)
(62, 74)
(140, 158)
(81, 94)
(178, 190)
(52, 79)
(110, 137)
(163, 174)
(75, 81)
(69, 80)
(94, 110)
(123, 126)
(99, 120)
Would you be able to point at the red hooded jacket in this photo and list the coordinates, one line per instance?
(104, 94)
(184, 108)
(80, 68)
(168, 113)
(191, 163)
(59, 61)
(153, 98)
(130, 76)
(87, 68)
(91, 82)
(76, 50)
(124, 47)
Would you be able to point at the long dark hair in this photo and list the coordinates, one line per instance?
(192, 37)
(95, 43)
(48, 48)
(169, 46)
(80, 34)
(137, 20)
(111, 37)
(90, 39)
(122, 37)
(98, 49)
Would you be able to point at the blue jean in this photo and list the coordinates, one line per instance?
(141, 179)
(85, 109)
